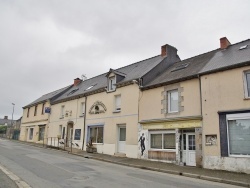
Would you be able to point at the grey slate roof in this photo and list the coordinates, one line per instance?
(131, 72)
(204, 63)
(8, 121)
(48, 96)
(229, 57)
(194, 66)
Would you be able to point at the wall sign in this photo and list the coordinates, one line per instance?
(47, 110)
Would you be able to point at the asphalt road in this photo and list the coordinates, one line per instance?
(44, 168)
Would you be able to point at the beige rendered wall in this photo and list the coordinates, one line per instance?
(74, 110)
(221, 91)
(33, 121)
(38, 117)
(128, 116)
(152, 105)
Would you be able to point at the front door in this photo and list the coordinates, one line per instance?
(122, 140)
(41, 133)
(69, 135)
(190, 151)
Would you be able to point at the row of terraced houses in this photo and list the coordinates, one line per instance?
(193, 112)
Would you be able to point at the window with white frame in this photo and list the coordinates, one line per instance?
(31, 133)
(111, 83)
(247, 84)
(117, 102)
(162, 140)
(173, 101)
(96, 134)
(82, 109)
(238, 134)
(62, 111)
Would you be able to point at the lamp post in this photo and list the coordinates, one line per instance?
(11, 126)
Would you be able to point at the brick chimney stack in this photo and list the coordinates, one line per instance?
(224, 43)
(5, 117)
(77, 81)
(169, 51)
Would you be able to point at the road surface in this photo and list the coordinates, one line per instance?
(45, 168)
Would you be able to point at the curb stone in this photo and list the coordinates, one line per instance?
(209, 178)
(20, 183)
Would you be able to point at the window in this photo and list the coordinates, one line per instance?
(111, 84)
(60, 131)
(43, 108)
(63, 132)
(96, 134)
(247, 84)
(62, 112)
(82, 111)
(31, 133)
(89, 87)
(243, 47)
(173, 101)
(179, 67)
(118, 103)
(73, 91)
(77, 134)
(35, 111)
(28, 112)
(162, 140)
(238, 134)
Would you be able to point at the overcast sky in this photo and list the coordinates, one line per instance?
(45, 44)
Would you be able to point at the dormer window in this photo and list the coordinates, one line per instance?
(114, 77)
(111, 83)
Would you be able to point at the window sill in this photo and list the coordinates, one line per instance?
(117, 111)
(61, 117)
(172, 112)
(240, 156)
(97, 143)
(81, 115)
(247, 98)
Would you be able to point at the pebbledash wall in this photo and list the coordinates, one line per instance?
(224, 99)
(101, 114)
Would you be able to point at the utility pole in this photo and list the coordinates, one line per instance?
(11, 126)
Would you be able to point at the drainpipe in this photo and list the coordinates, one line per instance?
(200, 93)
(202, 136)
(84, 125)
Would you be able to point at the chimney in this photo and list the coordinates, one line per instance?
(169, 51)
(224, 43)
(77, 81)
(5, 117)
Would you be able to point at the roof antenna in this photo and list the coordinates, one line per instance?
(84, 77)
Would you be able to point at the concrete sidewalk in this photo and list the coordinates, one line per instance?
(232, 178)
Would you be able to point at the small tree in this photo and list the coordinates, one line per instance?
(3, 129)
